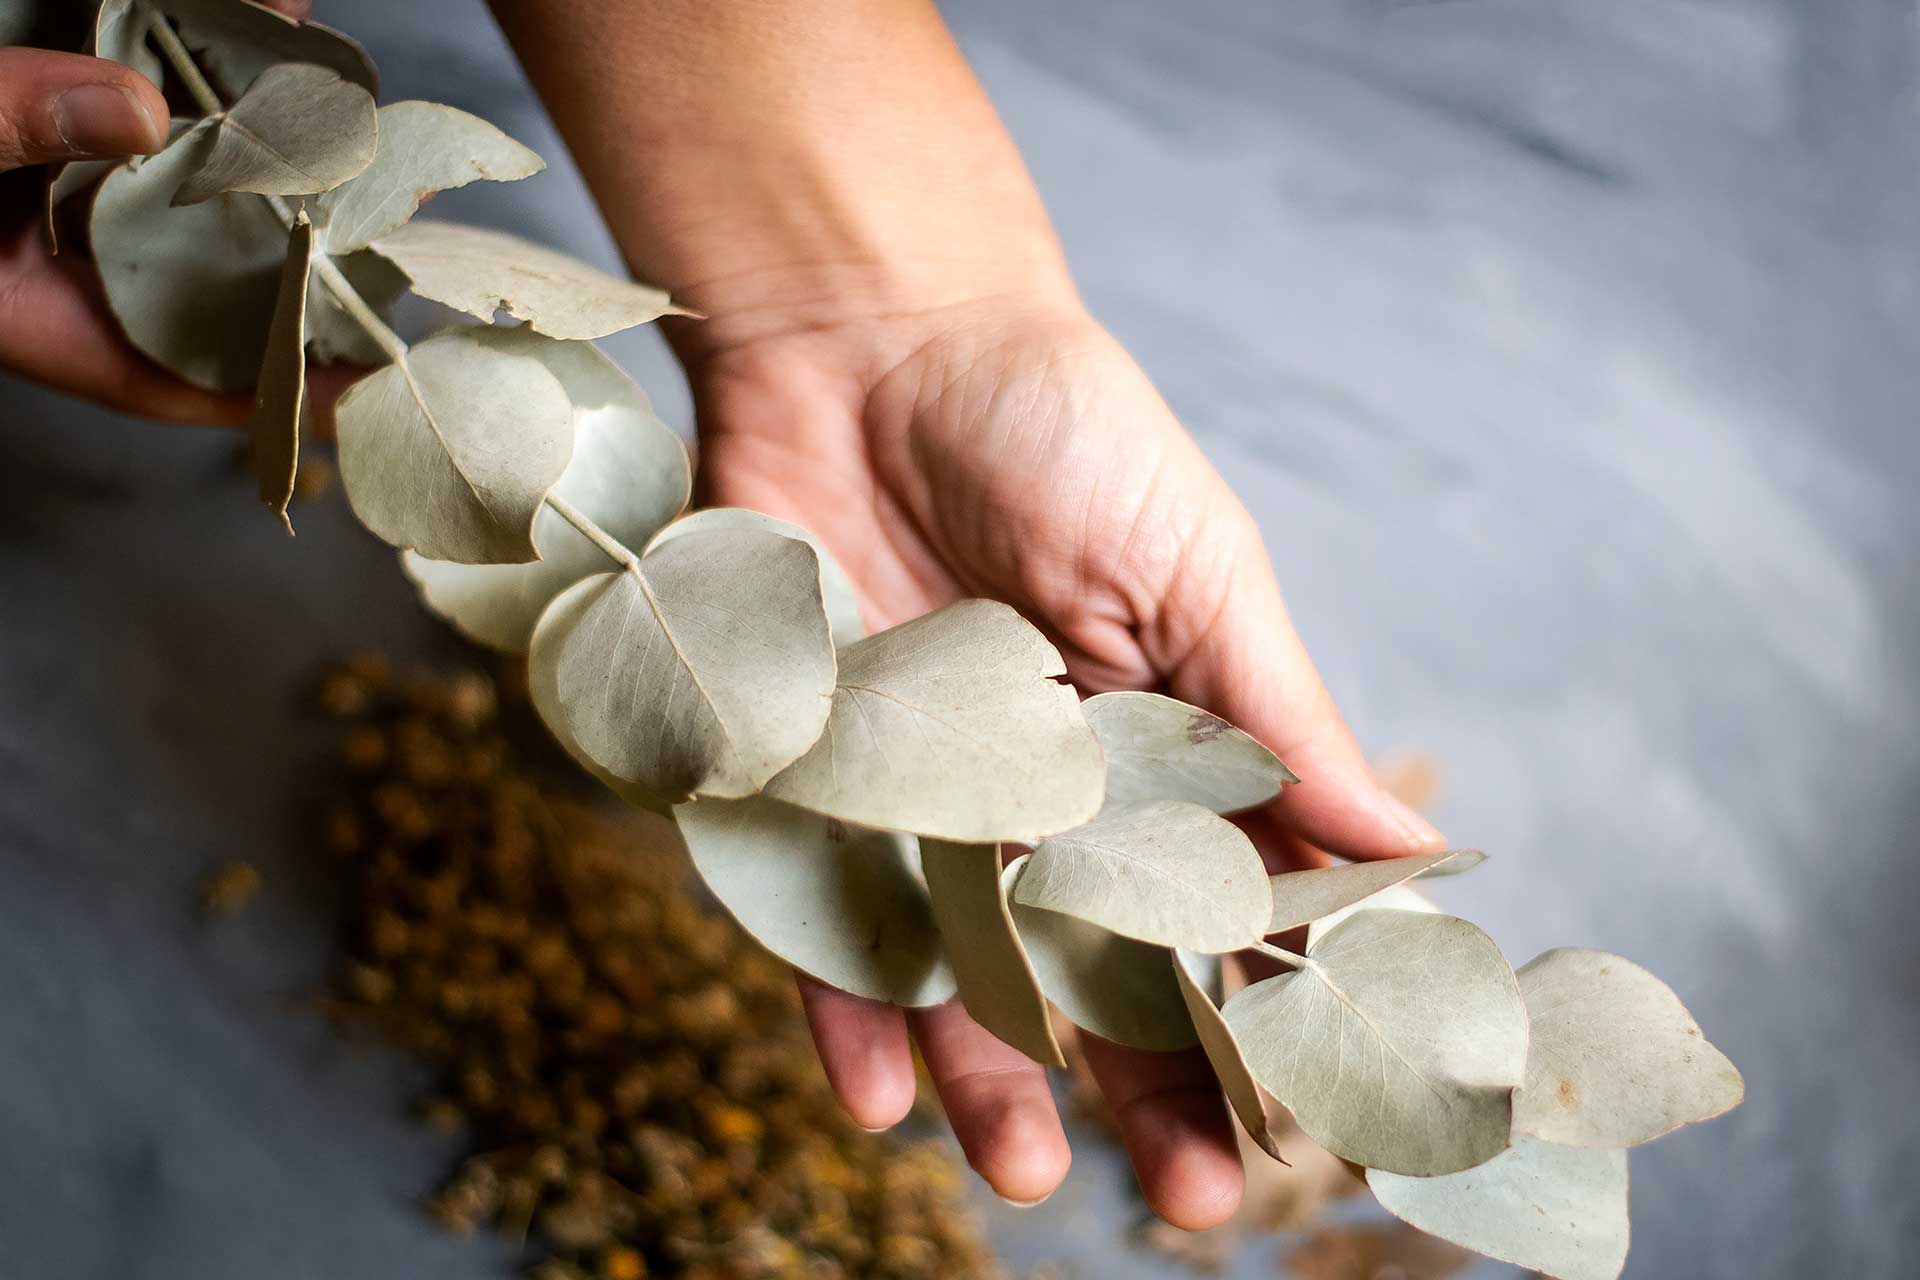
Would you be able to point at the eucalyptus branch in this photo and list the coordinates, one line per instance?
(181, 60)
(1282, 954)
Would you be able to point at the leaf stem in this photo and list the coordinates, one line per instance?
(175, 51)
(594, 533)
(1281, 954)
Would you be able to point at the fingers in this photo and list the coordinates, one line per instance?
(863, 1047)
(998, 1102)
(67, 106)
(1250, 666)
(1174, 1125)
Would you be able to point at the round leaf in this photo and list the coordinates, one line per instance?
(451, 450)
(629, 474)
(1244, 1095)
(1554, 1210)
(543, 691)
(1161, 749)
(275, 448)
(1397, 1047)
(951, 726)
(705, 668)
(299, 130)
(239, 41)
(1301, 897)
(990, 966)
(1400, 897)
(478, 271)
(841, 904)
(1616, 1059)
(193, 287)
(836, 589)
(424, 147)
(1115, 987)
(1163, 871)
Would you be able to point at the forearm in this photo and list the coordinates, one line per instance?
(767, 160)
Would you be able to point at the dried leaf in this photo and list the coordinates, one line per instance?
(298, 131)
(836, 589)
(1244, 1095)
(1115, 987)
(479, 271)
(277, 402)
(239, 40)
(1616, 1058)
(705, 668)
(451, 450)
(1162, 871)
(1398, 1046)
(120, 34)
(951, 726)
(1555, 1210)
(629, 474)
(1400, 897)
(990, 966)
(1161, 749)
(841, 904)
(1300, 897)
(424, 147)
(193, 287)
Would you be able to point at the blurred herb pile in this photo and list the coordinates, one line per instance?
(635, 1072)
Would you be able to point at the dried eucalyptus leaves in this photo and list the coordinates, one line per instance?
(844, 794)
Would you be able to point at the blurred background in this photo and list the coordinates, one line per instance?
(1568, 353)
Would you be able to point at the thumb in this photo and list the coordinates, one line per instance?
(1250, 666)
(67, 106)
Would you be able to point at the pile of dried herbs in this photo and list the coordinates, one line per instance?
(635, 1071)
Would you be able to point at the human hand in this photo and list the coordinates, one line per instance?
(1007, 447)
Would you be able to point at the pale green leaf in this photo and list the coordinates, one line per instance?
(332, 332)
(299, 130)
(1616, 1059)
(274, 451)
(239, 41)
(836, 589)
(1244, 1094)
(424, 147)
(1398, 1046)
(450, 451)
(705, 668)
(1301, 897)
(1555, 1210)
(841, 904)
(479, 271)
(952, 726)
(1119, 989)
(1162, 871)
(1399, 897)
(120, 30)
(990, 966)
(629, 475)
(193, 287)
(1161, 749)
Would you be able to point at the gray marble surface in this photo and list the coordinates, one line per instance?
(1569, 353)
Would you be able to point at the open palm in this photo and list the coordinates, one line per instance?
(1017, 452)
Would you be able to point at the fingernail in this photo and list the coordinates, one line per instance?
(878, 1128)
(1420, 833)
(1023, 1204)
(106, 120)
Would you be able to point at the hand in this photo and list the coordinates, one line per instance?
(1007, 447)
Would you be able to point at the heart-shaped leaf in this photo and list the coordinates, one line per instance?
(239, 41)
(1555, 1210)
(1244, 1095)
(836, 589)
(704, 668)
(951, 726)
(1161, 749)
(274, 451)
(1115, 987)
(424, 147)
(451, 450)
(193, 287)
(1616, 1058)
(629, 474)
(841, 904)
(1398, 1046)
(990, 966)
(299, 130)
(1163, 871)
(479, 271)
(1301, 897)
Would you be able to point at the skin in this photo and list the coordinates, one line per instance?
(895, 357)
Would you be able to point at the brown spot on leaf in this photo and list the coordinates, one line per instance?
(1204, 727)
(1567, 1094)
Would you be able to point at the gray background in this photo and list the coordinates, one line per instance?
(1567, 352)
